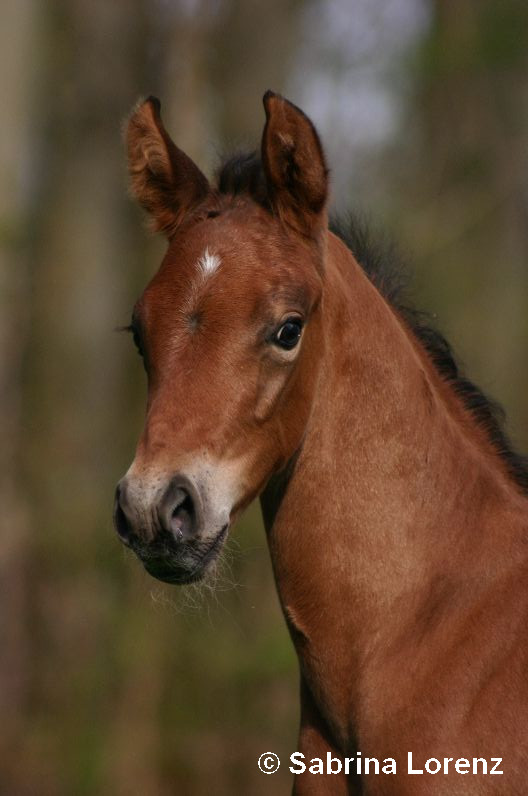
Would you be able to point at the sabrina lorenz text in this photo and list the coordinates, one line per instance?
(371, 765)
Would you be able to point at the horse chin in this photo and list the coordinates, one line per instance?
(180, 571)
(175, 576)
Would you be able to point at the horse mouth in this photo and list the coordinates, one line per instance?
(181, 568)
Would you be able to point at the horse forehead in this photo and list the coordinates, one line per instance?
(199, 277)
(234, 237)
(207, 251)
(218, 259)
(227, 259)
(208, 262)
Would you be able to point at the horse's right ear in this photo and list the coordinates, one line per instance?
(164, 179)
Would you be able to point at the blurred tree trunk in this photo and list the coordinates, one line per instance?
(469, 131)
(259, 47)
(18, 40)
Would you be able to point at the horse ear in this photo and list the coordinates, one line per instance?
(294, 164)
(164, 179)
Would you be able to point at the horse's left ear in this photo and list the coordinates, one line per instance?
(294, 164)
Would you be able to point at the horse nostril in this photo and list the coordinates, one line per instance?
(178, 511)
(182, 518)
(121, 522)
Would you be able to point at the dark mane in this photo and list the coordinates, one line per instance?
(379, 259)
(242, 173)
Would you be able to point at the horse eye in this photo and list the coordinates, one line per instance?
(289, 334)
(135, 337)
(137, 342)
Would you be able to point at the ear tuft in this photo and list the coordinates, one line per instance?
(164, 179)
(294, 164)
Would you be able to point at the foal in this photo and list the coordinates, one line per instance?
(395, 512)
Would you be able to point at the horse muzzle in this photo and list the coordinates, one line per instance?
(171, 526)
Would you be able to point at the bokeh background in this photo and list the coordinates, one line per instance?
(111, 683)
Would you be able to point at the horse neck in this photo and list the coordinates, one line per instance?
(396, 488)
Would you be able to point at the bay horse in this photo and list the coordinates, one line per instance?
(281, 365)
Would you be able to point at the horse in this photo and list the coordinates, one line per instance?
(282, 365)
